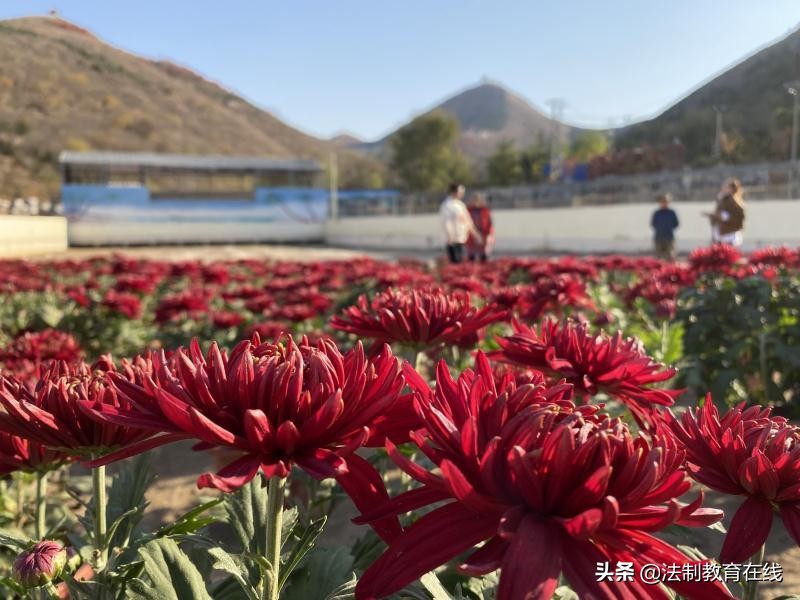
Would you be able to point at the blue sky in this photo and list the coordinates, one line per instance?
(366, 66)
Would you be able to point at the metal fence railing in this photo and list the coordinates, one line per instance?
(761, 181)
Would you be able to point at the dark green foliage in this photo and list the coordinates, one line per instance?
(742, 340)
(425, 157)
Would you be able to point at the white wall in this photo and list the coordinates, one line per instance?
(614, 228)
(617, 228)
(24, 235)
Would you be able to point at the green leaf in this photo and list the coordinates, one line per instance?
(171, 574)
(346, 591)
(366, 550)
(228, 589)
(228, 564)
(10, 584)
(126, 499)
(307, 537)
(565, 593)
(484, 587)
(288, 524)
(86, 590)
(191, 521)
(12, 542)
(114, 527)
(51, 315)
(415, 591)
(323, 572)
(246, 511)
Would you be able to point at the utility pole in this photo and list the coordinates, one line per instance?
(719, 110)
(557, 106)
(333, 175)
(793, 87)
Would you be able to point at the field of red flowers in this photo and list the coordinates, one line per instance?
(527, 428)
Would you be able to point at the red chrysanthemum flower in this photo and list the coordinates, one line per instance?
(746, 452)
(552, 489)
(422, 318)
(592, 363)
(78, 295)
(19, 454)
(40, 346)
(55, 415)
(185, 303)
(136, 283)
(269, 330)
(125, 303)
(279, 404)
(225, 319)
(780, 256)
(653, 290)
(718, 257)
(29, 355)
(553, 294)
(506, 297)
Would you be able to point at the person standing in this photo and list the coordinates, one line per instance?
(664, 223)
(727, 220)
(456, 223)
(478, 248)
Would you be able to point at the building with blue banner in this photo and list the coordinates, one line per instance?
(116, 198)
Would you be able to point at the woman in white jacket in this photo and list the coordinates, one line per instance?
(456, 223)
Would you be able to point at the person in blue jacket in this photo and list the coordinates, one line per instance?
(664, 224)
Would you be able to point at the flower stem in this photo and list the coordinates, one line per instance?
(664, 339)
(274, 526)
(762, 361)
(51, 590)
(431, 583)
(21, 484)
(419, 362)
(99, 490)
(751, 587)
(41, 504)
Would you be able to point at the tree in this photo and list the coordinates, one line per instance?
(425, 156)
(532, 162)
(504, 166)
(359, 172)
(589, 144)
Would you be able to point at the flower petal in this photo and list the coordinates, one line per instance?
(532, 562)
(233, 476)
(431, 541)
(748, 531)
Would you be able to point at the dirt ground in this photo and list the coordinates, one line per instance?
(222, 252)
(178, 466)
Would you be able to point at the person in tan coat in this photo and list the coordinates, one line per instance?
(727, 220)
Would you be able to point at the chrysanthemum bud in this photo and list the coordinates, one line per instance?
(40, 564)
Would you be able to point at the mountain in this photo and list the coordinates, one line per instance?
(345, 140)
(756, 110)
(487, 114)
(63, 88)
